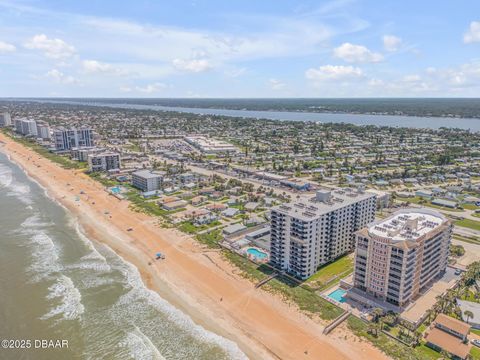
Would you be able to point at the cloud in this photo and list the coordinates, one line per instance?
(266, 36)
(93, 66)
(473, 33)
(356, 54)
(276, 84)
(411, 78)
(97, 67)
(391, 42)
(194, 65)
(60, 77)
(52, 48)
(6, 47)
(333, 72)
(147, 89)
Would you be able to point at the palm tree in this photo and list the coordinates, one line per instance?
(430, 314)
(377, 312)
(373, 328)
(417, 335)
(468, 314)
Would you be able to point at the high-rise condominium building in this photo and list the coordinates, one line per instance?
(397, 257)
(26, 127)
(314, 231)
(43, 130)
(65, 139)
(5, 119)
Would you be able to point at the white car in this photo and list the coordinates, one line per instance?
(476, 342)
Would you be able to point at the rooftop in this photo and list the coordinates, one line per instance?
(448, 343)
(453, 324)
(408, 225)
(147, 174)
(324, 201)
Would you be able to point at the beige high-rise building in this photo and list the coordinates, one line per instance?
(397, 257)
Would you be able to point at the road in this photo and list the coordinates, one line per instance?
(208, 172)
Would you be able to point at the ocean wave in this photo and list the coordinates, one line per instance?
(70, 307)
(44, 252)
(94, 253)
(139, 295)
(99, 267)
(140, 346)
(33, 223)
(44, 257)
(6, 176)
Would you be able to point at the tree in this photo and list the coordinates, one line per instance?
(468, 314)
(373, 328)
(377, 313)
(417, 335)
(430, 314)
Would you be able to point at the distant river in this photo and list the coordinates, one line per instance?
(357, 119)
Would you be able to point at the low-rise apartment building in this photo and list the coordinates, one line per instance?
(146, 180)
(104, 161)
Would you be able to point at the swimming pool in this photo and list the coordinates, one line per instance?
(260, 255)
(116, 189)
(338, 295)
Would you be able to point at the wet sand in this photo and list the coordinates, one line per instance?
(192, 278)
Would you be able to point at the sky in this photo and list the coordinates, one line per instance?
(240, 48)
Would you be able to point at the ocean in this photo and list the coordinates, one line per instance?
(56, 284)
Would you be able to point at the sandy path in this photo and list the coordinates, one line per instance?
(260, 323)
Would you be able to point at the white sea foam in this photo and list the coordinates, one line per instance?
(90, 265)
(44, 252)
(140, 346)
(139, 293)
(44, 257)
(21, 191)
(6, 176)
(70, 307)
(94, 254)
(33, 223)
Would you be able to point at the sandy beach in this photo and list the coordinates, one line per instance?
(192, 278)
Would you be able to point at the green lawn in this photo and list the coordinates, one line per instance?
(470, 240)
(103, 180)
(189, 228)
(331, 273)
(63, 161)
(211, 239)
(475, 331)
(475, 353)
(391, 347)
(305, 299)
(471, 224)
(469, 206)
(138, 203)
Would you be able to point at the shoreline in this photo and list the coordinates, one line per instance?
(322, 117)
(261, 324)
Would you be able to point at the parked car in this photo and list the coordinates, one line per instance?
(476, 342)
